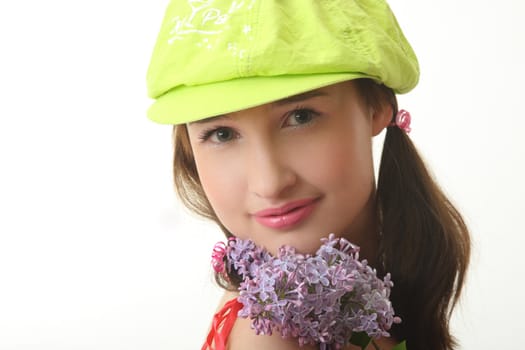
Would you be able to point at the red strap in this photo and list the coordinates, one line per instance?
(222, 325)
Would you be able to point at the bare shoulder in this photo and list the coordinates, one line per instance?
(243, 337)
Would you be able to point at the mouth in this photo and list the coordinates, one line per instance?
(288, 215)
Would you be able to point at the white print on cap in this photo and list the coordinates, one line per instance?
(206, 20)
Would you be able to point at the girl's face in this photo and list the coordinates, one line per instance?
(293, 171)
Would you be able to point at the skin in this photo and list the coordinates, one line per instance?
(243, 337)
(315, 146)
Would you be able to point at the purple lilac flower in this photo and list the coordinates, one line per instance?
(318, 299)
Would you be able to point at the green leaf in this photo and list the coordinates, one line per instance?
(400, 346)
(360, 339)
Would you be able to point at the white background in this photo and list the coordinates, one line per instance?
(95, 252)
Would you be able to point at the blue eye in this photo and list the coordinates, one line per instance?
(300, 117)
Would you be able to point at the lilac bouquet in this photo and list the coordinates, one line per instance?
(330, 298)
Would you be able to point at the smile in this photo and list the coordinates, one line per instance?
(288, 215)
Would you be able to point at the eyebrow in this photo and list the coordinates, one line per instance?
(287, 100)
(210, 119)
(300, 97)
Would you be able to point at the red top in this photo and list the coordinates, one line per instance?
(222, 325)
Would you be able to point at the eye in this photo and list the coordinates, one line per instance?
(218, 135)
(300, 116)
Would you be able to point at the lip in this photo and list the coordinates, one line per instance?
(288, 215)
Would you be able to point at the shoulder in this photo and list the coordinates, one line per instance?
(243, 337)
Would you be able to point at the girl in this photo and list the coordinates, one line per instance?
(275, 104)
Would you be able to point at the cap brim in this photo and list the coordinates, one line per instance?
(186, 104)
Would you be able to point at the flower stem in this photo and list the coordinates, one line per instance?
(375, 345)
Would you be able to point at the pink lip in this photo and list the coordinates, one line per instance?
(287, 215)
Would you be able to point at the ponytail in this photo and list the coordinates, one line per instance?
(424, 244)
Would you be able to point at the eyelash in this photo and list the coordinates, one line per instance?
(311, 112)
(206, 134)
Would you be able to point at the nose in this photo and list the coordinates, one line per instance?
(270, 174)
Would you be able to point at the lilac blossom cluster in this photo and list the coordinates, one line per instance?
(318, 299)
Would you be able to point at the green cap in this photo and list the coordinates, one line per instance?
(219, 56)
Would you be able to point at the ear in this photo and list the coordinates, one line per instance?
(381, 118)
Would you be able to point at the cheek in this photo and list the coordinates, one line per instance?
(222, 184)
(341, 158)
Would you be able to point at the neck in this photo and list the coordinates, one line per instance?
(365, 231)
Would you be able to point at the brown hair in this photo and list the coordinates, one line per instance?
(425, 244)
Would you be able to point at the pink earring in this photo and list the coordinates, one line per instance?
(402, 120)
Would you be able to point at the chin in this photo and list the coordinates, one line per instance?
(301, 241)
